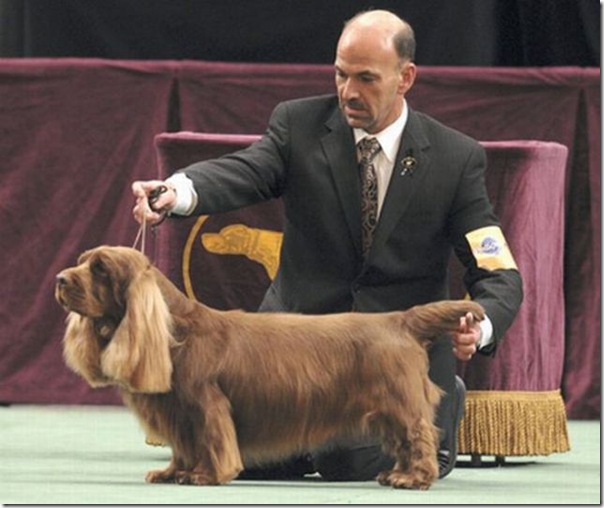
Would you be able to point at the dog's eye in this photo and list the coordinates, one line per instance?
(99, 269)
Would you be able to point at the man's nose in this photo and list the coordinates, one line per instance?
(348, 90)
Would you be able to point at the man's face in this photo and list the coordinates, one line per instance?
(371, 80)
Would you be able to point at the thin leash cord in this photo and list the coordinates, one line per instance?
(152, 198)
(141, 235)
(142, 232)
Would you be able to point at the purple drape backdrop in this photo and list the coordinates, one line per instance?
(75, 133)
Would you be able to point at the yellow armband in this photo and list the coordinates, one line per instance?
(490, 249)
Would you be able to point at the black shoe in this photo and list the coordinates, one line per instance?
(447, 458)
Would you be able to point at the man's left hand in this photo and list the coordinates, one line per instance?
(466, 337)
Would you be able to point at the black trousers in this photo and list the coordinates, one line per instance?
(364, 460)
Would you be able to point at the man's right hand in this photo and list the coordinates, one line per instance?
(152, 213)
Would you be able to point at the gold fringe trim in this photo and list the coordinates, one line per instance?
(513, 423)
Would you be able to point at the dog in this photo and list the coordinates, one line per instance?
(233, 389)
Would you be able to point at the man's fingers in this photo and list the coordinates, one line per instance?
(462, 355)
(464, 352)
(137, 189)
(465, 344)
(142, 190)
(466, 322)
(466, 339)
(469, 320)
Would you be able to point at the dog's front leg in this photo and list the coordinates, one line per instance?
(217, 458)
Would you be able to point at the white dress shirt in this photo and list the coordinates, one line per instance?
(390, 140)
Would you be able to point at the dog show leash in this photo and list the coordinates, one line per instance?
(142, 231)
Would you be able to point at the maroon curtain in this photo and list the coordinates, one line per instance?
(75, 133)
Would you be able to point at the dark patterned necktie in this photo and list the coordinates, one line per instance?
(369, 147)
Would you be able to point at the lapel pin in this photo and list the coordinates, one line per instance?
(409, 162)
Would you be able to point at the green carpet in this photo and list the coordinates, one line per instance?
(97, 455)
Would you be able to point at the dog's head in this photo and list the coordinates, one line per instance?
(119, 326)
(97, 287)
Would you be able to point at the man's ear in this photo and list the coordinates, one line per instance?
(407, 77)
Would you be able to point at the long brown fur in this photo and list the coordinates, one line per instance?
(232, 389)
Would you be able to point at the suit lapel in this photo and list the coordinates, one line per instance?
(404, 182)
(339, 148)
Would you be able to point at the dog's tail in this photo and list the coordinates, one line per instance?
(433, 320)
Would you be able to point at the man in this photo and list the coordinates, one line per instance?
(368, 236)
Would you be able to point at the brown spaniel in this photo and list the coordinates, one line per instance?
(228, 389)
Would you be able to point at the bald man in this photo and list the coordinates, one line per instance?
(428, 200)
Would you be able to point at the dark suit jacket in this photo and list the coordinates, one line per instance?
(307, 157)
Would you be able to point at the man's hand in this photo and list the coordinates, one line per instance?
(466, 337)
(152, 213)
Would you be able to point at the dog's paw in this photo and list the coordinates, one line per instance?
(195, 478)
(160, 476)
(401, 480)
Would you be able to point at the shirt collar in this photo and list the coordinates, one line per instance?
(390, 137)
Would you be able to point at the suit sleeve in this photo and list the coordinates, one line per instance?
(491, 275)
(246, 177)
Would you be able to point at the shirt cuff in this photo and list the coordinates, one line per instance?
(486, 333)
(186, 197)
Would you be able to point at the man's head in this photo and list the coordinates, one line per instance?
(374, 69)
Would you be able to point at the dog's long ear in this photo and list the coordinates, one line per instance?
(138, 355)
(82, 351)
